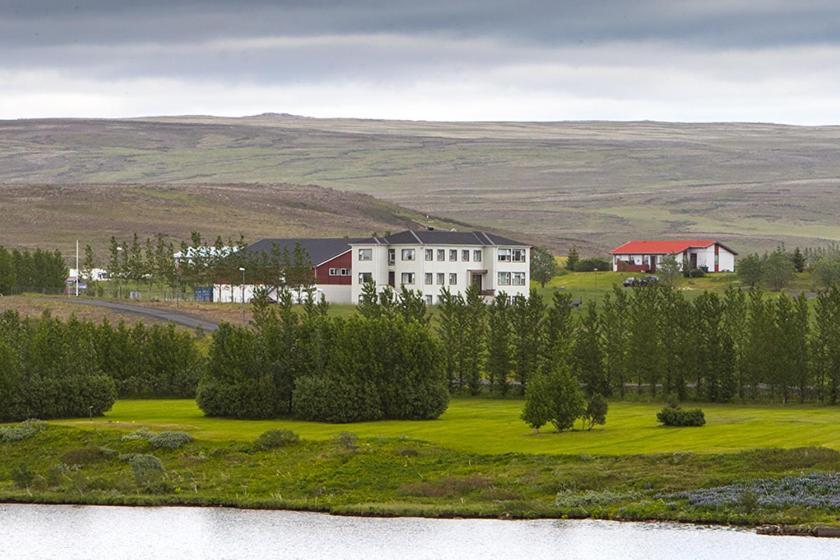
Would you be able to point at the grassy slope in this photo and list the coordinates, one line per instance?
(593, 184)
(55, 216)
(494, 426)
(399, 477)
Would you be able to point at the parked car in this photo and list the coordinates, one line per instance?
(649, 280)
(630, 281)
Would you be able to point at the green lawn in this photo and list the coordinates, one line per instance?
(493, 427)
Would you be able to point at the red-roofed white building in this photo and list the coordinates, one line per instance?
(645, 256)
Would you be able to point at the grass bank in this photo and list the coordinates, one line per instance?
(401, 476)
(493, 426)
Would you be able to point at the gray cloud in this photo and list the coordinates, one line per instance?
(771, 60)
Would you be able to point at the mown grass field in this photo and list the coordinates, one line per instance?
(490, 426)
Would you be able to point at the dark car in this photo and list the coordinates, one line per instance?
(649, 280)
(630, 282)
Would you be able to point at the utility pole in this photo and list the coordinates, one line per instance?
(78, 272)
(242, 270)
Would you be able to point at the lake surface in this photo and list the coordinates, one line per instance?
(29, 532)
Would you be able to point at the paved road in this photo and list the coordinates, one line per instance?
(184, 319)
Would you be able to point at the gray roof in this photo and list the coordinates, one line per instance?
(442, 237)
(320, 249)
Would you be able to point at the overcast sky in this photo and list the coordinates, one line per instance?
(709, 60)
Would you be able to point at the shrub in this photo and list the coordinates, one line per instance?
(24, 430)
(596, 412)
(87, 455)
(335, 399)
(148, 471)
(22, 476)
(141, 433)
(170, 440)
(555, 397)
(276, 438)
(676, 416)
(346, 440)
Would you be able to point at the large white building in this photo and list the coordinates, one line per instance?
(430, 260)
(646, 256)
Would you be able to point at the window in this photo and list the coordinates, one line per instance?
(519, 255)
(365, 254)
(440, 278)
(365, 277)
(429, 278)
(453, 254)
(465, 255)
(504, 255)
(407, 278)
(430, 254)
(477, 255)
(392, 256)
(441, 254)
(428, 300)
(453, 278)
(343, 272)
(407, 254)
(332, 272)
(504, 279)
(518, 279)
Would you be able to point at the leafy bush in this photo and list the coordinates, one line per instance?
(141, 433)
(276, 438)
(676, 416)
(87, 455)
(24, 430)
(148, 471)
(346, 440)
(337, 400)
(170, 440)
(22, 475)
(820, 490)
(555, 397)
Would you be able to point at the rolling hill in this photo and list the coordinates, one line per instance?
(591, 184)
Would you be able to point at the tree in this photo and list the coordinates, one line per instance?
(777, 270)
(827, 269)
(669, 270)
(553, 396)
(614, 329)
(527, 316)
(750, 270)
(588, 364)
(89, 262)
(473, 342)
(798, 260)
(572, 259)
(596, 412)
(543, 265)
(498, 344)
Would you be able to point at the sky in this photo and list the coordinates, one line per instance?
(545, 60)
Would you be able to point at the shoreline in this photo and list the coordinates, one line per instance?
(814, 531)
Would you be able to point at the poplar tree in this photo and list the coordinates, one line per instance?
(499, 344)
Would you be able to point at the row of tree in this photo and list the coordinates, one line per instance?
(51, 368)
(383, 362)
(36, 270)
(201, 263)
(739, 345)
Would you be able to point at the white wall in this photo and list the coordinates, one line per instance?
(225, 293)
(462, 269)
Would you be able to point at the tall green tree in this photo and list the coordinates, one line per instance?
(543, 265)
(499, 344)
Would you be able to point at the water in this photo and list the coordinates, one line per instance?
(30, 532)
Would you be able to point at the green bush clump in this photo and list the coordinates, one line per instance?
(24, 430)
(148, 471)
(276, 438)
(50, 369)
(22, 475)
(170, 440)
(329, 369)
(87, 455)
(676, 416)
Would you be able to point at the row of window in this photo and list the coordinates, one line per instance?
(408, 254)
(510, 279)
(430, 279)
(339, 272)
